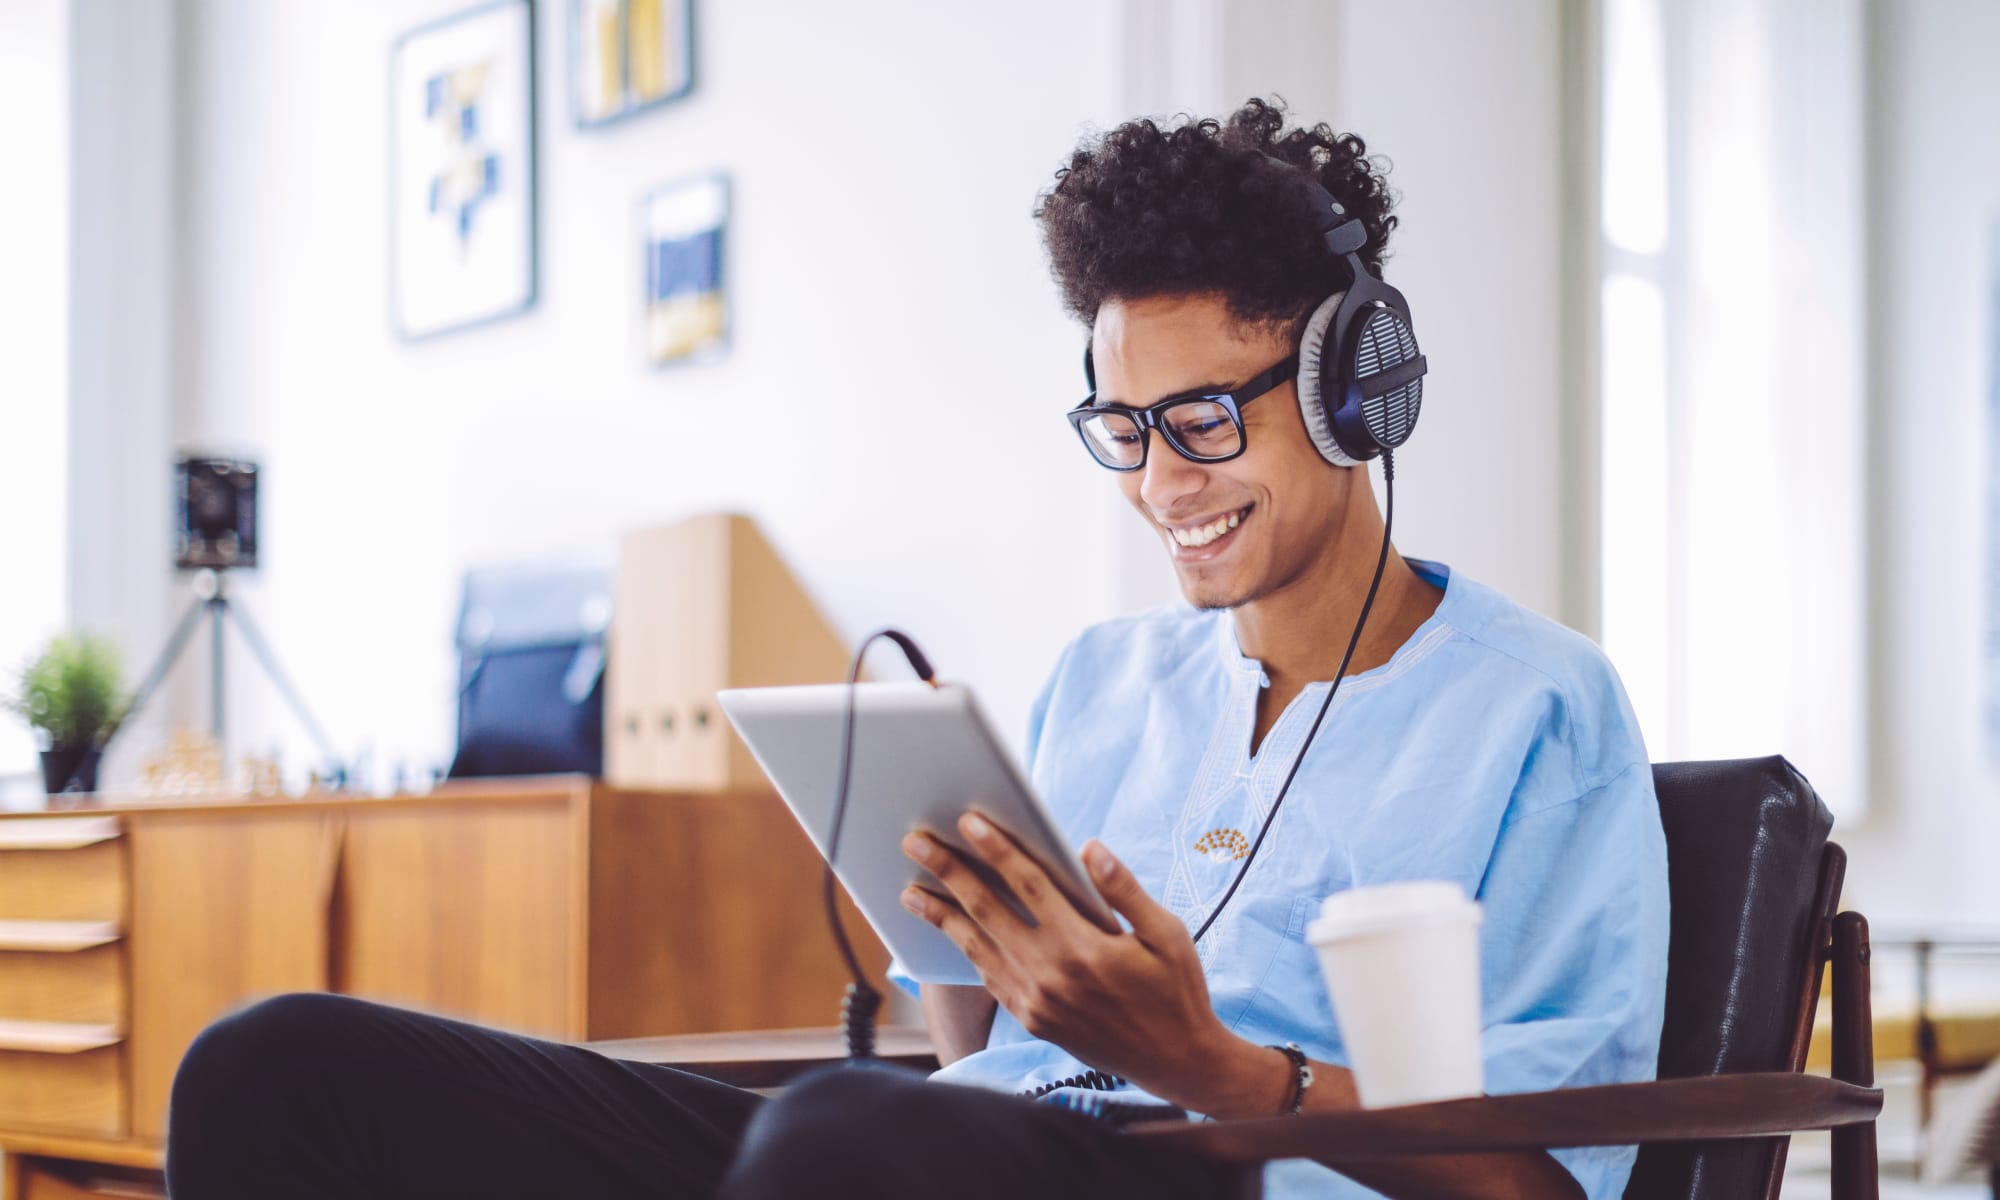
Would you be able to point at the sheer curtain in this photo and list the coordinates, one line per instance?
(33, 365)
(1731, 302)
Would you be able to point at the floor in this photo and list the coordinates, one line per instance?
(1897, 1144)
(1896, 1185)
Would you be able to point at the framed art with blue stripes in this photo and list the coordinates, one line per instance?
(687, 302)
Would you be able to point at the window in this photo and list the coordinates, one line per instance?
(1632, 311)
(1731, 375)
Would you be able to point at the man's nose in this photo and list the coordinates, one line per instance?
(1167, 476)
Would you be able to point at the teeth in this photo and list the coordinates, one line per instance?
(1203, 535)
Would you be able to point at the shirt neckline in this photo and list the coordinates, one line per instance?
(1445, 614)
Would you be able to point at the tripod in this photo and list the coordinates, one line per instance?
(212, 600)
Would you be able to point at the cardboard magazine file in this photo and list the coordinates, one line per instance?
(703, 605)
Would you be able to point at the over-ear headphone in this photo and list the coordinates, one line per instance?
(1361, 378)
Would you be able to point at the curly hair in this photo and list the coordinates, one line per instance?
(1145, 211)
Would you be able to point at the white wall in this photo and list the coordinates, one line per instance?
(122, 320)
(1925, 850)
(1463, 98)
(890, 411)
(34, 287)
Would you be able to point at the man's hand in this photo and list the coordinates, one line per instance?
(1134, 1004)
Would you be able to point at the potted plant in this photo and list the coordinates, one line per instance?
(70, 696)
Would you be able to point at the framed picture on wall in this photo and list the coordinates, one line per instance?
(628, 55)
(687, 307)
(462, 170)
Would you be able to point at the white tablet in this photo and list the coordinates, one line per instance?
(923, 757)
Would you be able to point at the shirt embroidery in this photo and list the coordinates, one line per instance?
(1223, 845)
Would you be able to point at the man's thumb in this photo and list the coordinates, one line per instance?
(1121, 890)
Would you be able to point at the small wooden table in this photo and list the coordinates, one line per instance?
(770, 1058)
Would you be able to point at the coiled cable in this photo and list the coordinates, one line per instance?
(863, 1000)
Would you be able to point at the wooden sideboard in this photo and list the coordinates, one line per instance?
(553, 906)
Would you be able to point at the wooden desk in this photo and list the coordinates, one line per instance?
(552, 906)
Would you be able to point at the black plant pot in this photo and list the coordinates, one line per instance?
(69, 769)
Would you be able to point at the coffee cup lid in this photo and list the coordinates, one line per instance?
(1381, 906)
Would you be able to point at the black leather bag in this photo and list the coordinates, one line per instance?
(531, 671)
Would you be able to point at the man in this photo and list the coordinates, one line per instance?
(1470, 741)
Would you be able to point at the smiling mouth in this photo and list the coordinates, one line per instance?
(1202, 537)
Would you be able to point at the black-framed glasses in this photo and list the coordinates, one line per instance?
(1203, 427)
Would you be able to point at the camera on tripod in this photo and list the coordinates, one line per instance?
(218, 513)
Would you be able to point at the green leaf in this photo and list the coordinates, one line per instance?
(71, 691)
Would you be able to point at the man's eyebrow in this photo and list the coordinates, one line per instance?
(1199, 389)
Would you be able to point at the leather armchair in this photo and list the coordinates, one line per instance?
(1754, 884)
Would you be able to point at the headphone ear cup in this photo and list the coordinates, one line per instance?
(1322, 382)
(1381, 413)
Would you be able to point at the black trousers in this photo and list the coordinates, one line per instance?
(315, 1096)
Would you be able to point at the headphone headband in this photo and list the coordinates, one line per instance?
(1341, 234)
(1360, 375)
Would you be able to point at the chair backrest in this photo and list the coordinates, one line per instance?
(1752, 880)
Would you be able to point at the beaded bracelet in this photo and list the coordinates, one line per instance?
(1302, 1078)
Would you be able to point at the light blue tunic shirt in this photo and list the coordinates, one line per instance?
(1495, 749)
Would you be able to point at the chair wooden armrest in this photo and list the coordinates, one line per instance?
(1711, 1107)
(768, 1058)
(1701, 1109)
(1673, 1110)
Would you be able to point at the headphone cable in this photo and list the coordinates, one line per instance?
(1360, 623)
(1102, 1081)
(863, 1000)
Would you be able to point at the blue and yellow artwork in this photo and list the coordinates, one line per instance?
(463, 170)
(686, 302)
(470, 173)
(626, 55)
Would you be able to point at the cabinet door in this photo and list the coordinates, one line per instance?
(470, 910)
(225, 910)
(705, 917)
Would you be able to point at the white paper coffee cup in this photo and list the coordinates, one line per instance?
(1401, 962)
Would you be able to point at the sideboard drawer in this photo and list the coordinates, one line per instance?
(59, 881)
(54, 1179)
(86, 986)
(81, 1092)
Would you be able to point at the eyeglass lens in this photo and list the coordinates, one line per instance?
(1199, 429)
